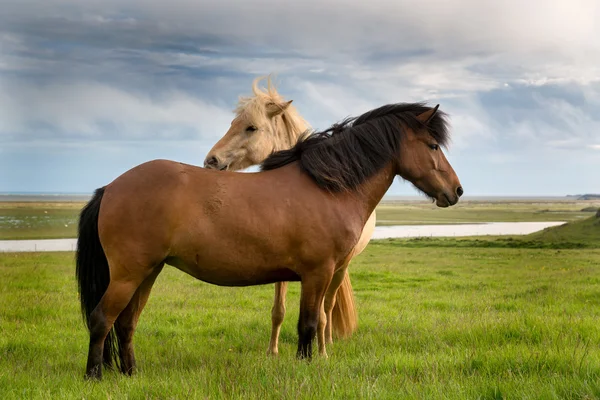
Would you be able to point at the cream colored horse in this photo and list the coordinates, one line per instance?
(265, 123)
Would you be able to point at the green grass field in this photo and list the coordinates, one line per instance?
(434, 322)
(482, 318)
(50, 220)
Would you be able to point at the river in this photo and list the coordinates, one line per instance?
(381, 232)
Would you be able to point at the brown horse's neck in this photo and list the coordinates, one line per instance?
(369, 193)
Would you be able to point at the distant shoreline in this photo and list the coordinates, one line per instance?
(43, 197)
(83, 197)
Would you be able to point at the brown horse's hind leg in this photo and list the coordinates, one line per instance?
(277, 315)
(115, 299)
(128, 319)
(311, 305)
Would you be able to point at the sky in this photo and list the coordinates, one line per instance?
(91, 89)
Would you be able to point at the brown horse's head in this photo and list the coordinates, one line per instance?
(405, 137)
(422, 162)
(264, 123)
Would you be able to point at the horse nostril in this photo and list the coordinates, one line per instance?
(459, 191)
(211, 162)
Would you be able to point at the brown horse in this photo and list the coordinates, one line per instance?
(265, 123)
(297, 220)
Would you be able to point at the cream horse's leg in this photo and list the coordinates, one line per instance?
(329, 301)
(322, 325)
(324, 329)
(277, 314)
(324, 333)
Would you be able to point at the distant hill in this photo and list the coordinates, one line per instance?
(585, 232)
(588, 196)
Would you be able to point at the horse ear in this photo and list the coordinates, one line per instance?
(274, 109)
(426, 116)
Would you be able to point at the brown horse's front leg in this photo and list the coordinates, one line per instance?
(311, 305)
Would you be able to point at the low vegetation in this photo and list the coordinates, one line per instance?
(590, 209)
(51, 220)
(585, 232)
(573, 235)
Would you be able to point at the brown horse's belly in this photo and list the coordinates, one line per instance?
(238, 277)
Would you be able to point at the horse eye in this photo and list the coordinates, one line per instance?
(434, 146)
(251, 128)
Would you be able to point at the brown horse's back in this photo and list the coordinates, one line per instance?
(210, 225)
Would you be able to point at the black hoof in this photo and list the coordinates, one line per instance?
(128, 371)
(303, 355)
(94, 374)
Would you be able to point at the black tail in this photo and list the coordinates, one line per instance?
(92, 270)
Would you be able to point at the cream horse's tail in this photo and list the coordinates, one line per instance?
(344, 318)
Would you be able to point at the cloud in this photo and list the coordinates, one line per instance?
(366, 33)
(468, 24)
(520, 80)
(535, 116)
(92, 111)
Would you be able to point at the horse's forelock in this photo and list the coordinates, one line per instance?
(255, 106)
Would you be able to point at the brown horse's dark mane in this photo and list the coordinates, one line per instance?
(346, 154)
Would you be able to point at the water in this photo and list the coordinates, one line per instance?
(482, 229)
(38, 245)
(381, 232)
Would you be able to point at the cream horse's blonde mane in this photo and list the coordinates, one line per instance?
(289, 125)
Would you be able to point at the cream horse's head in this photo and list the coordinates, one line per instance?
(263, 123)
